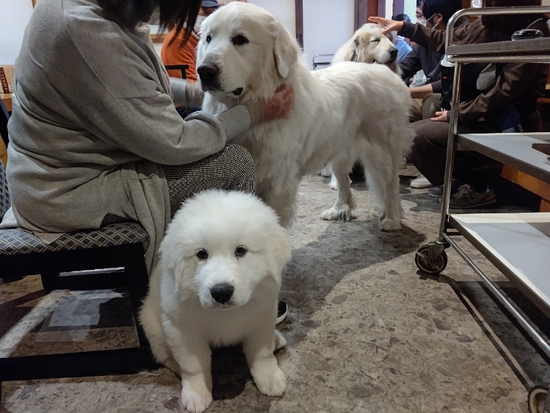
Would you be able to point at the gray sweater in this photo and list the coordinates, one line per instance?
(93, 120)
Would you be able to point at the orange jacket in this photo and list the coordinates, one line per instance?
(178, 53)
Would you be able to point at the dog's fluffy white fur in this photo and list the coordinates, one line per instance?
(344, 112)
(217, 283)
(369, 45)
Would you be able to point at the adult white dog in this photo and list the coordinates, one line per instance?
(216, 284)
(341, 113)
(369, 45)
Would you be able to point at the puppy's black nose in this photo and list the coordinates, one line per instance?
(393, 54)
(222, 292)
(208, 74)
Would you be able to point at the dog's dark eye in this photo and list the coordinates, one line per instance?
(239, 40)
(240, 251)
(202, 254)
(375, 40)
(208, 39)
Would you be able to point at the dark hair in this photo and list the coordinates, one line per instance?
(171, 12)
(401, 18)
(446, 7)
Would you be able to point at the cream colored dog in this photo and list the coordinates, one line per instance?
(345, 112)
(217, 284)
(369, 45)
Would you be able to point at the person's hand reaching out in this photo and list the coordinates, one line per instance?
(390, 25)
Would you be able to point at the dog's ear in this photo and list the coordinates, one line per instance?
(281, 251)
(285, 50)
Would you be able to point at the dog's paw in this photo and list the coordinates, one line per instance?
(280, 341)
(195, 401)
(389, 225)
(338, 214)
(271, 383)
(333, 183)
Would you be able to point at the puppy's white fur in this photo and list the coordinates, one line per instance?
(344, 112)
(203, 249)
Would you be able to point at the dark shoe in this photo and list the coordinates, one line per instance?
(282, 311)
(466, 197)
(437, 191)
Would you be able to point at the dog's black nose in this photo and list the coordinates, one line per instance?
(393, 54)
(208, 74)
(222, 292)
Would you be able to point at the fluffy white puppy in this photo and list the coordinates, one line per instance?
(345, 112)
(217, 283)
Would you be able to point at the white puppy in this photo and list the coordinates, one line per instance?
(217, 283)
(345, 112)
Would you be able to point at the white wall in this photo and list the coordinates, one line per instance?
(328, 24)
(15, 16)
(284, 10)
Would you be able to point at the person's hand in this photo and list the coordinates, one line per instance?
(390, 25)
(280, 105)
(440, 116)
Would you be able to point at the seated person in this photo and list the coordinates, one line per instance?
(512, 95)
(179, 45)
(402, 43)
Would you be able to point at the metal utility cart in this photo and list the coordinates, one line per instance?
(518, 244)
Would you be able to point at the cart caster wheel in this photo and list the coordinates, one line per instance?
(431, 259)
(537, 399)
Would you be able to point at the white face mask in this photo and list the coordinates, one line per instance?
(477, 4)
(198, 23)
(421, 21)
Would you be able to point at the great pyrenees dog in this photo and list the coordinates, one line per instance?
(369, 45)
(216, 284)
(345, 112)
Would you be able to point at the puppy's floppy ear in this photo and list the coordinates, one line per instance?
(281, 251)
(285, 49)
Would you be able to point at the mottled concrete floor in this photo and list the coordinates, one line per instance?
(366, 331)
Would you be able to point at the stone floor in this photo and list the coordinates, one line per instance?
(366, 331)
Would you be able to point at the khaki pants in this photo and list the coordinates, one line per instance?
(425, 108)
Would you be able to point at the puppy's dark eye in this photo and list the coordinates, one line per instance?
(240, 251)
(208, 39)
(239, 40)
(375, 40)
(202, 254)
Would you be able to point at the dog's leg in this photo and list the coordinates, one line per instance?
(258, 349)
(383, 179)
(193, 356)
(280, 341)
(283, 200)
(341, 211)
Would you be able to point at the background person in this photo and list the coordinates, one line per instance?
(512, 96)
(94, 134)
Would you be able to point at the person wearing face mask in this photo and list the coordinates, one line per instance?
(507, 103)
(178, 47)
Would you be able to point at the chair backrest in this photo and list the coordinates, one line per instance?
(4, 193)
(181, 68)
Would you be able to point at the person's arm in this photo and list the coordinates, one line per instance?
(511, 83)
(420, 92)
(430, 38)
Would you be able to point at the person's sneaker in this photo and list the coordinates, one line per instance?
(420, 182)
(466, 197)
(282, 311)
(437, 191)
